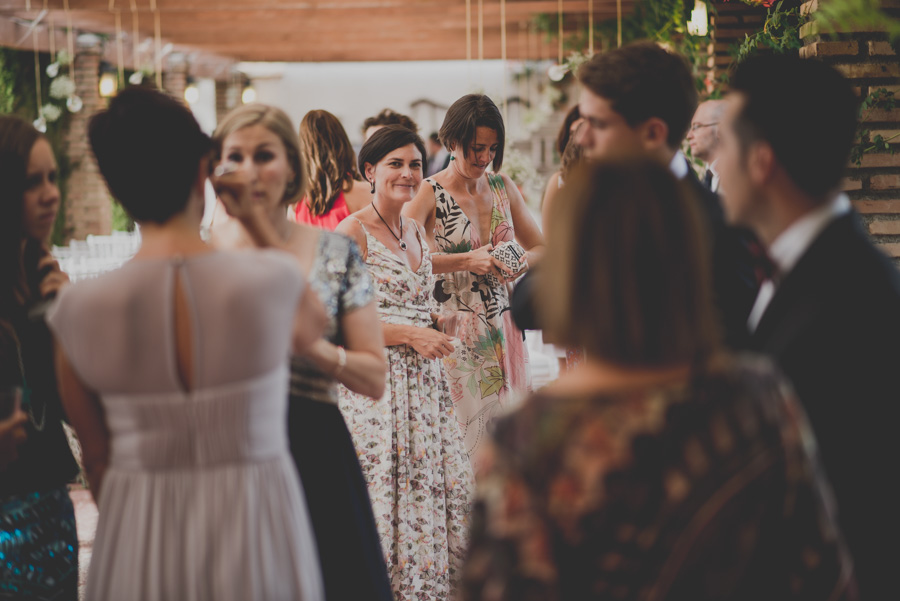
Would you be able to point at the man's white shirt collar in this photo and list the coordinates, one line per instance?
(790, 244)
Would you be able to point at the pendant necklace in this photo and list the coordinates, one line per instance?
(399, 238)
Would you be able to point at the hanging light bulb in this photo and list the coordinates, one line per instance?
(40, 124)
(191, 92)
(52, 70)
(557, 72)
(136, 78)
(109, 82)
(249, 94)
(699, 23)
(74, 103)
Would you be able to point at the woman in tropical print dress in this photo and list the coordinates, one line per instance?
(467, 212)
(408, 441)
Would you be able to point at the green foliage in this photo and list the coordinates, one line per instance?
(835, 16)
(18, 96)
(780, 34)
(662, 21)
(463, 246)
(121, 220)
(878, 99)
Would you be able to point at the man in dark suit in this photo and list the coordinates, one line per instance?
(638, 100)
(830, 315)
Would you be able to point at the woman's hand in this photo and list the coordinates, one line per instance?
(12, 434)
(234, 188)
(430, 343)
(53, 278)
(481, 262)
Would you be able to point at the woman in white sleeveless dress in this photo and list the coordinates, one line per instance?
(174, 372)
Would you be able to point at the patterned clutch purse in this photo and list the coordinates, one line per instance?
(509, 253)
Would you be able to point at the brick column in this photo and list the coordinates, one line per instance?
(88, 209)
(174, 77)
(866, 58)
(228, 96)
(729, 23)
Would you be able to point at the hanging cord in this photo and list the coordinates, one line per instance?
(590, 27)
(70, 39)
(37, 75)
(503, 57)
(157, 35)
(618, 23)
(120, 51)
(559, 20)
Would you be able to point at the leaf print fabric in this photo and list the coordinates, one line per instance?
(489, 368)
(409, 444)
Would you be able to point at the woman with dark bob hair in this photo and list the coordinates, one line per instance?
(38, 541)
(663, 468)
(174, 372)
(335, 188)
(470, 213)
(408, 440)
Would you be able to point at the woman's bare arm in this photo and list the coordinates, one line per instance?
(86, 415)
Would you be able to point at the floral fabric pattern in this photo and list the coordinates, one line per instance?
(702, 491)
(409, 445)
(489, 368)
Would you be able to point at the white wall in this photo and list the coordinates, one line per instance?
(355, 91)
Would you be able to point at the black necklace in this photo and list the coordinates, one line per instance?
(402, 243)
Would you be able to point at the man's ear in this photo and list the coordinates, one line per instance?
(760, 163)
(654, 133)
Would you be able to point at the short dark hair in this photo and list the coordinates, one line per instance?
(626, 275)
(148, 147)
(390, 117)
(805, 110)
(385, 140)
(465, 115)
(642, 80)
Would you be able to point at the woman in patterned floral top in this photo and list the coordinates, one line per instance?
(663, 468)
(467, 211)
(408, 441)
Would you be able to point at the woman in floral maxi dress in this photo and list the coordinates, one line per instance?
(408, 441)
(468, 211)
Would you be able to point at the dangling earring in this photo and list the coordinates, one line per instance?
(373, 186)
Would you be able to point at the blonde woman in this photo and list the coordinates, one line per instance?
(258, 141)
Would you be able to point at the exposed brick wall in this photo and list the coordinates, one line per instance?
(228, 96)
(174, 76)
(730, 22)
(868, 60)
(88, 208)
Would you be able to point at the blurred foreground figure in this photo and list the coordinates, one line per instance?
(664, 467)
(38, 542)
(829, 313)
(174, 372)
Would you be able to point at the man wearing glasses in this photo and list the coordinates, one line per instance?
(703, 137)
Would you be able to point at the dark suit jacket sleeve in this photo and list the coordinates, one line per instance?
(733, 266)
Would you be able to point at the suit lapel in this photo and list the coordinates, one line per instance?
(805, 287)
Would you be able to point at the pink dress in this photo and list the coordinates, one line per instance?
(489, 368)
(328, 221)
